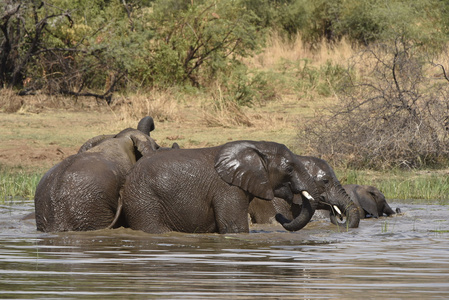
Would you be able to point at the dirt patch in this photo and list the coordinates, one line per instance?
(19, 153)
(41, 134)
(44, 131)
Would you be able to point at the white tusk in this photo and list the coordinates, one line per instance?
(337, 209)
(307, 195)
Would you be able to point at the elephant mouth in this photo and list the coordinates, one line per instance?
(334, 210)
(337, 212)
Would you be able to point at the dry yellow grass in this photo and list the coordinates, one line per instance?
(279, 49)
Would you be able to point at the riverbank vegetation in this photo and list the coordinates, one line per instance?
(360, 83)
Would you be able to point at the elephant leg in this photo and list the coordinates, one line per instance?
(144, 215)
(231, 218)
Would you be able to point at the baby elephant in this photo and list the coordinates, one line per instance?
(369, 200)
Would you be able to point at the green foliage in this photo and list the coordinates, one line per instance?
(247, 88)
(360, 22)
(307, 79)
(323, 18)
(364, 21)
(284, 16)
(72, 47)
(194, 43)
(334, 77)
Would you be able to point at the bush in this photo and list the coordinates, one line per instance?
(392, 112)
(194, 43)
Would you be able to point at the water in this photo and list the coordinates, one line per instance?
(403, 257)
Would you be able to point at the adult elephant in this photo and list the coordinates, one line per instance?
(369, 201)
(82, 192)
(333, 197)
(209, 189)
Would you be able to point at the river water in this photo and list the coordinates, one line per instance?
(401, 257)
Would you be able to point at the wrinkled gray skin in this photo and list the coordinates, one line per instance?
(145, 125)
(82, 192)
(209, 189)
(331, 194)
(369, 201)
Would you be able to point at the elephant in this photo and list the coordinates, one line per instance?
(333, 197)
(81, 192)
(145, 125)
(369, 201)
(208, 190)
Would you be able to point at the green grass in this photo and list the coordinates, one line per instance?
(419, 186)
(17, 184)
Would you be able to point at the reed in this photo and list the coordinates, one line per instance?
(17, 184)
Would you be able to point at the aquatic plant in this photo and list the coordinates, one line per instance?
(17, 184)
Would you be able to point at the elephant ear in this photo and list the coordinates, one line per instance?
(146, 125)
(143, 145)
(370, 206)
(242, 164)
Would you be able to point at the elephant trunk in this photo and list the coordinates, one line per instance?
(302, 219)
(347, 207)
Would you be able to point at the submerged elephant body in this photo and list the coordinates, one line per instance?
(82, 192)
(209, 189)
(369, 201)
(333, 197)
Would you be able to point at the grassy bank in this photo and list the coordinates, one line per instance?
(423, 186)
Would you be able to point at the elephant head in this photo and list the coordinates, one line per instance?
(333, 196)
(268, 170)
(369, 201)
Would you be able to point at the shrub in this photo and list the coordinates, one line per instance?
(195, 42)
(392, 112)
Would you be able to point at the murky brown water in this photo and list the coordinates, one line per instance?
(404, 257)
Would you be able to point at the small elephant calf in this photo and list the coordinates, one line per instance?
(369, 200)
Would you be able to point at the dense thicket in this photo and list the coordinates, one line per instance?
(85, 46)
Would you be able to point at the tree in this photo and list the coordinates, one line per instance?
(23, 28)
(194, 41)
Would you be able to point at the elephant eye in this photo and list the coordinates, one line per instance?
(326, 181)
